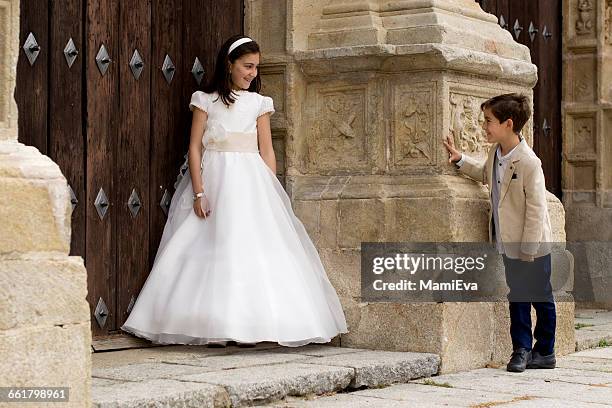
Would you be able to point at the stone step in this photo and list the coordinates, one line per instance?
(198, 376)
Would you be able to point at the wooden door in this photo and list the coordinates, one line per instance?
(537, 24)
(106, 97)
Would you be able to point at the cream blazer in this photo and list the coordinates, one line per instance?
(523, 211)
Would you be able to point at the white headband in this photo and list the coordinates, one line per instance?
(237, 44)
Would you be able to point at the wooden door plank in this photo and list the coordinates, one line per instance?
(132, 165)
(202, 37)
(31, 93)
(101, 132)
(66, 141)
(548, 145)
(167, 141)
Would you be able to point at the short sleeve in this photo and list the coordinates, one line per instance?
(267, 106)
(199, 100)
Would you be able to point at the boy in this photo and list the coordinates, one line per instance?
(519, 224)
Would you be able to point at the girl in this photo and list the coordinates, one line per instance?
(234, 262)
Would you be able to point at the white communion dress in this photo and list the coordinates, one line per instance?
(248, 272)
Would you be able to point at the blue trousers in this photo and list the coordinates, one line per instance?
(529, 284)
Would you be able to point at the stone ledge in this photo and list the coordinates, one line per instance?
(404, 58)
(158, 393)
(249, 376)
(380, 368)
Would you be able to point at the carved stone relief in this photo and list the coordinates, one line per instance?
(466, 124)
(584, 80)
(585, 21)
(273, 85)
(413, 129)
(582, 134)
(338, 138)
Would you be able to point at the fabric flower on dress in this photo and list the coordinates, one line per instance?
(215, 132)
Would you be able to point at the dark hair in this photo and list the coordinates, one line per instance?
(510, 106)
(221, 81)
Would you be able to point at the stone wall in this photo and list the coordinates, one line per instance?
(45, 337)
(587, 144)
(368, 89)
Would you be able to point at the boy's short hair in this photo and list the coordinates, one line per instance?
(510, 106)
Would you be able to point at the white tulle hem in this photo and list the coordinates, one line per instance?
(175, 338)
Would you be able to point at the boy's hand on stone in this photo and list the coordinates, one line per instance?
(525, 257)
(453, 154)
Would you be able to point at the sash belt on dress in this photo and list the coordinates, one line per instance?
(235, 142)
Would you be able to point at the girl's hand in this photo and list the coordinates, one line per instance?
(201, 207)
(453, 154)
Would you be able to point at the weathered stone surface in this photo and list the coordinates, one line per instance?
(460, 333)
(594, 328)
(394, 326)
(34, 202)
(54, 356)
(603, 352)
(249, 376)
(343, 267)
(378, 368)
(43, 292)
(565, 337)
(360, 221)
(241, 360)
(9, 37)
(159, 393)
(146, 371)
(438, 395)
(487, 388)
(499, 380)
(572, 375)
(260, 384)
(585, 363)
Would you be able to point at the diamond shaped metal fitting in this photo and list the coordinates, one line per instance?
(502, 22)
(165, 202)
(134, 203)
(518, 29)
(70, 52)
(131, 305)
(103, 59)
(197, 70)
(168, 69)
(73, 198)
(532, 31)
(101, 313)
(101, 203)
(546, 127)
(31, 48)
(136, 64)
(546, 34)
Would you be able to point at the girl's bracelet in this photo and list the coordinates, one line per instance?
(197, 195)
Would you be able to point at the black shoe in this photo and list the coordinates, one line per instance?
(518, 361)
(539, 361)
